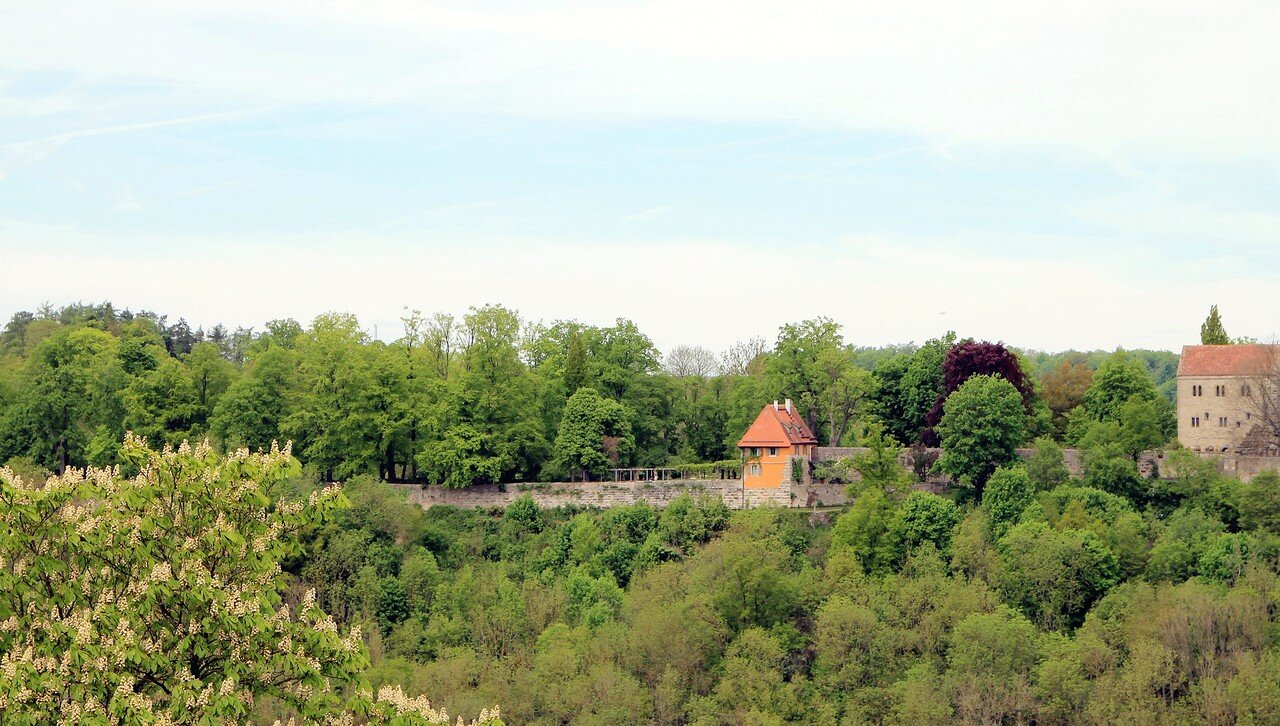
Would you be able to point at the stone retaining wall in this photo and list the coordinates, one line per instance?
(1247, 467)
(601, 494)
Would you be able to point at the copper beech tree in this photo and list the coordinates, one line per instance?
(159, 598)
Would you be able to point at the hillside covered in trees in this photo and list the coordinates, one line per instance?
(487, 397)
(269, 596)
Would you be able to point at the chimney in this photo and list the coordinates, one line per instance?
(775, 404)
(788, 405)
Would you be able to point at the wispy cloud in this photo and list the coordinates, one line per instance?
(18, 154)
(649, 214)
(131, 203)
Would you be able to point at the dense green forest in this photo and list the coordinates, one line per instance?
(485, 397)
(1049, 601)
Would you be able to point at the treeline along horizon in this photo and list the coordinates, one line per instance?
(483, 397)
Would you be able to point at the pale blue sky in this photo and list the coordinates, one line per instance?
(1088, 176)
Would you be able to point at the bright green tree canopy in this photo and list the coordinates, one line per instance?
(983, 422)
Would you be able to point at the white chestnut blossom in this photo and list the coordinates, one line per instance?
(159, 598)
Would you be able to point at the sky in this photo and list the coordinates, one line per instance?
(1053, 175)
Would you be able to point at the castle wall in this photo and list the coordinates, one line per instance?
(601, 494)
(731, 491)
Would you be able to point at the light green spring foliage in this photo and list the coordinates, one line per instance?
(1116, 395)
(1211, 331)
(1008, 493)
(811, 364)
(1047, 466)
(878, 466)
(159, 598)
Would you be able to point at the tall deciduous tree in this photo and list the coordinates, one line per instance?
(331, 419)
(1063, 390)
(811, 365)
(211, 375)
(487, 429)
(162, 404)
(575, 364)
(744, 357)
(921, 384)
(250, 414)
(589, 421)
(690, 361)
(72, 382)
(887, 401)
(983, 423)
(1119, 379)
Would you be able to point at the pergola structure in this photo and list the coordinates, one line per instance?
(661, 473)
(668, 473)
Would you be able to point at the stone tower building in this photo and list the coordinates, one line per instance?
(1224, 392)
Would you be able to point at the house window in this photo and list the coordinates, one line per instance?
(1219, 391)
(1222, 421)
(755, 451)
(1195, 422)
(1245, 390)
(1237, 424)
(753, 470)
(773, 451)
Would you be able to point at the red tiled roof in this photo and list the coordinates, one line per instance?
(1227, 360)
(776, 426)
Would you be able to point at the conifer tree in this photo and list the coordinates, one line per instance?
(1212, 332)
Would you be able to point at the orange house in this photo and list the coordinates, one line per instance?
(777, 435)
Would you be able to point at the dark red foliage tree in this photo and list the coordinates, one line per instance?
(970, 358)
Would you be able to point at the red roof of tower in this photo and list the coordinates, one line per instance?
(1227, 360)
(778, 425)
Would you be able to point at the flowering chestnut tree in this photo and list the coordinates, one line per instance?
(159, 598)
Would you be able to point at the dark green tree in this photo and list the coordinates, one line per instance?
(575, 364)
(1054, 576)
(922, 383)
(590, 421)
